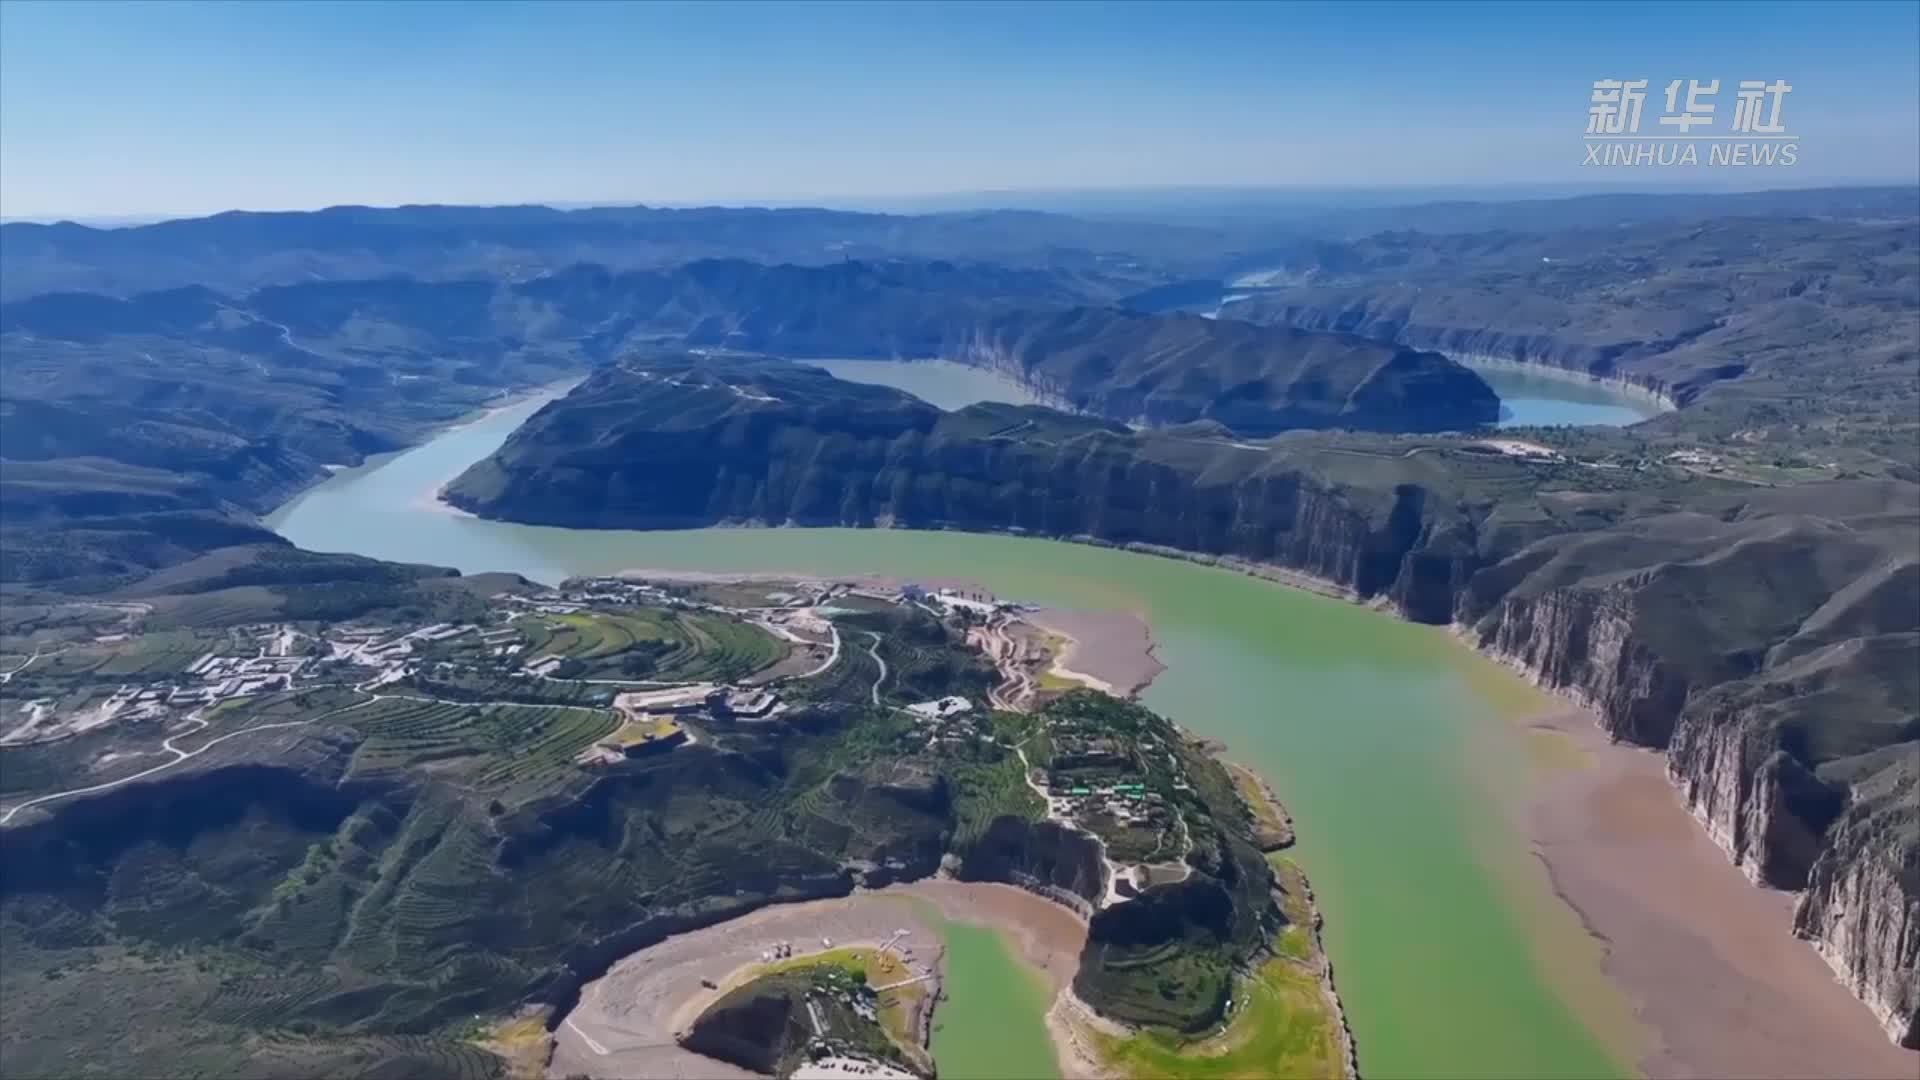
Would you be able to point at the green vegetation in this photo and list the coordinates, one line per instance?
(1167, 958)
(405, 861)
(663, 645)
(1741, 603)
(772, 1023)
(1271, 828)
(514, 753)
(847, 971)
(1750, 556)
(989, 784)
(1281, 1025)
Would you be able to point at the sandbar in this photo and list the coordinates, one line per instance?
(626, 1021)
(1707, 959)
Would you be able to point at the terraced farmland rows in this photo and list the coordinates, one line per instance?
(681, 646)
(542, 758)
(722, 649)
(520, 751)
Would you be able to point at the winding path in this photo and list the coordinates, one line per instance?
(7, 676)
(181, 755)
(833, 656)
(873, 650)
(195, 718)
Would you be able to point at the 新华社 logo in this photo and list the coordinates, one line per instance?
(1692, 128)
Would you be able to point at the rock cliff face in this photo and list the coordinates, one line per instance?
(1766, 638)
(1386, 318)
(1860, 908)
(1056, 862)
(1801, 767)
(1257, 380)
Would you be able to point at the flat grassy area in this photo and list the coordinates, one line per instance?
(1271, 829)
(1281, 1026)
(1293, 890)
(1046, 680)
(643, 729)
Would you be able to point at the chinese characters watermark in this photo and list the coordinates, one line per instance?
(1756, 134)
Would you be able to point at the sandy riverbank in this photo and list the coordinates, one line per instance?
(625, 1023)
(1715, 977)
(1112, 649)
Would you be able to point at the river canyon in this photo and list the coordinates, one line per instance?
(1482, 852)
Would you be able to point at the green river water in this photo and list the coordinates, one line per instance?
(990, 1026)
(1395, 748)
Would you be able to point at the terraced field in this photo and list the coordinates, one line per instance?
(146, 656)
(512, 752)
(663, 645)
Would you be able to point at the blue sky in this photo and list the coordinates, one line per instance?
(109, 108)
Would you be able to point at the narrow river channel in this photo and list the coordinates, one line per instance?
(1399, 752)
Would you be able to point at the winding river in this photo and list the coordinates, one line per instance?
(1398, 750)
(1528, 398)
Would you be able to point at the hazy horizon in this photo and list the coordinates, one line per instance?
(1089, 202)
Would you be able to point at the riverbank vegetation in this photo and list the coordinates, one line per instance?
(1281, 1025)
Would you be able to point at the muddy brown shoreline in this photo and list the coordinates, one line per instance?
(1717, 982)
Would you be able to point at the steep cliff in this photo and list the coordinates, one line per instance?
(1054, 861)
(1174, 368)
(1861, 908)
(1765, 637)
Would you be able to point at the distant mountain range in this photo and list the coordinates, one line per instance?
(242, 250)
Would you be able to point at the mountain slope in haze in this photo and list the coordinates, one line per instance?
(1172, 369)
(371, 337)
(244, 250)
(1798, 334)
(137, 432)
(617, 452)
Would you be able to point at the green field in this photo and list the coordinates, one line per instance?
(1281, 1026)
(512, 752)
(667, 646)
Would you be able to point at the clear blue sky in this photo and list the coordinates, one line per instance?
(110, 108)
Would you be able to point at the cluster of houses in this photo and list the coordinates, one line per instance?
(724, 702)
(235, 676)
(652, 718)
